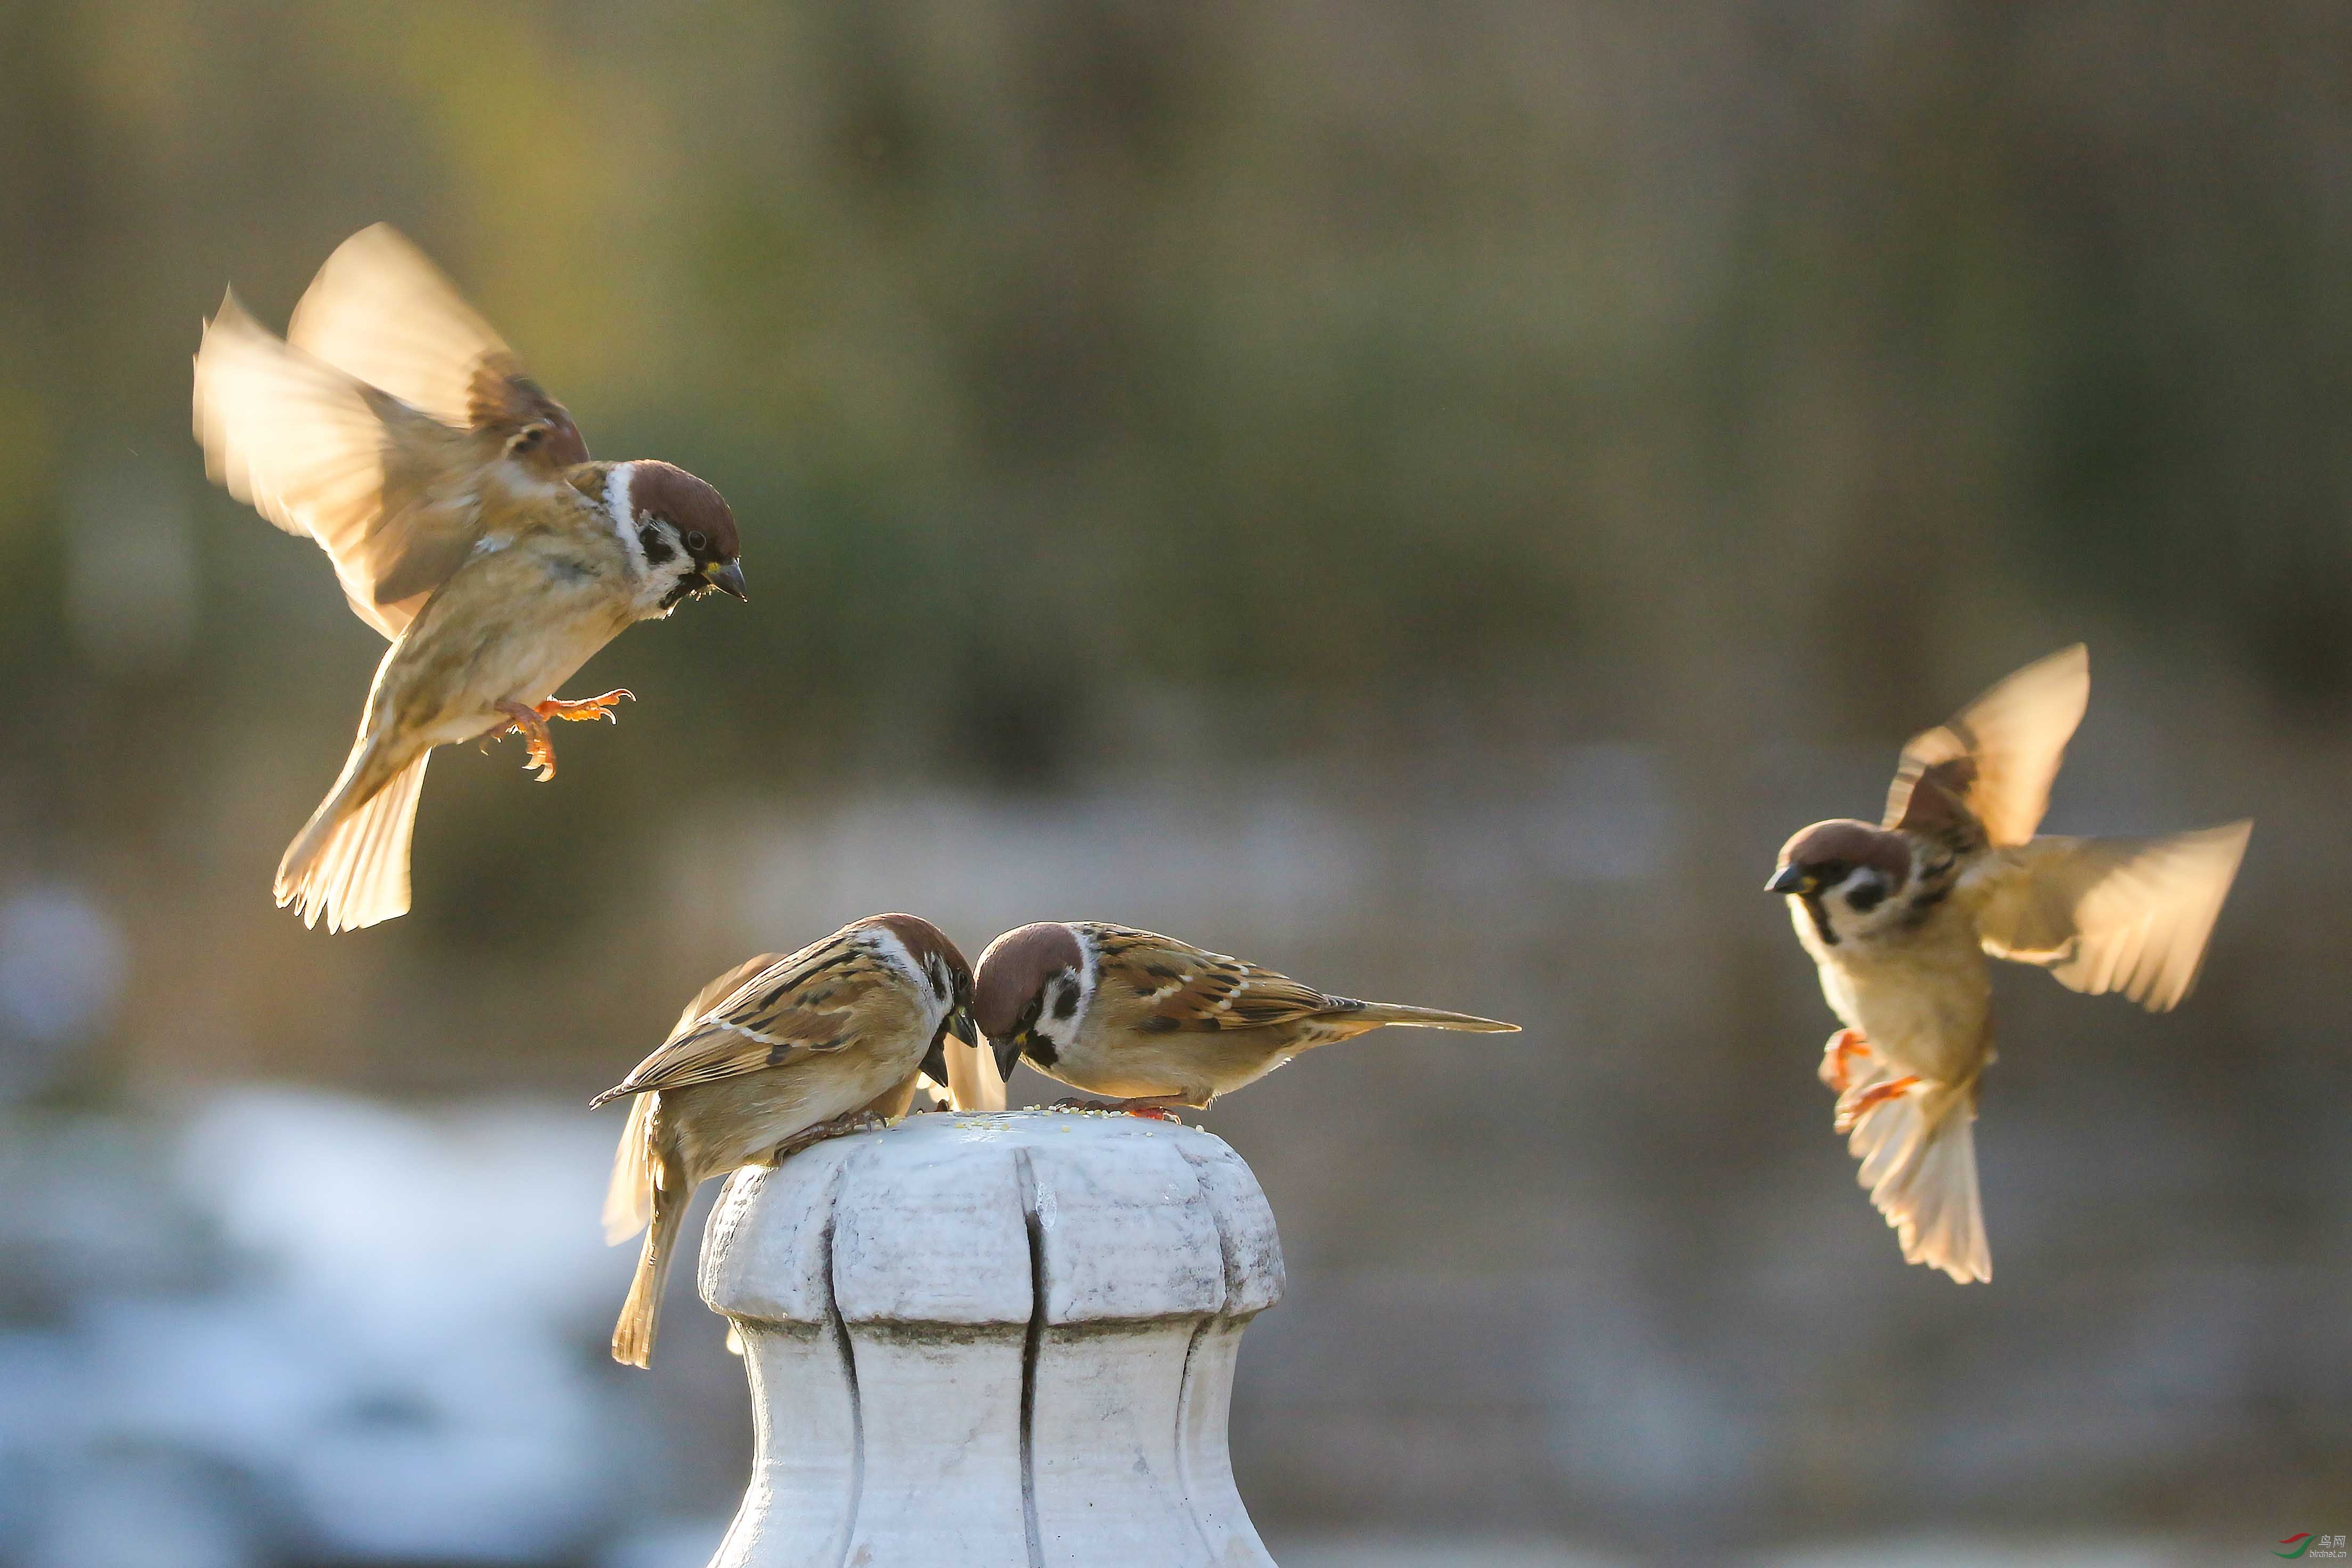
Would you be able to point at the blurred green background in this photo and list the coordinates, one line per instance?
(1427, 497)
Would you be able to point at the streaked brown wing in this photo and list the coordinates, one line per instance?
(821, 998)
(1175, 985)
(718, 990)
(2113, 914)
(1997, 757)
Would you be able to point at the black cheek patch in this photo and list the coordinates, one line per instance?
(1065, 1000)
(1820, 920)
(1864, 898)
(656, 548)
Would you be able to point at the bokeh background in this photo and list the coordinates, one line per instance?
(1427, 497)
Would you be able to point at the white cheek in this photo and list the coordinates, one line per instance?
(1063, 1031)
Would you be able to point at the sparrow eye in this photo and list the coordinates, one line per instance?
(696, 541)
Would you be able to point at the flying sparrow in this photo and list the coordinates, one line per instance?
(1159, 1023)
(459, 504)
(771, 1056)
(1899, 918)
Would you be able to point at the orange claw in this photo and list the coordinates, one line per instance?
(1852, 1109)
(1844, 1044)
(1152, 1108)
(588, 709)
(529, 725)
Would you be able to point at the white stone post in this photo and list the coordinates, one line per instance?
(1002, 1341)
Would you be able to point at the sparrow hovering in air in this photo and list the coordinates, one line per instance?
(771, 1056)
(467, 522)
(1899, 918)
(1158, 1023)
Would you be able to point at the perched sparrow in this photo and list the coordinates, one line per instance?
(1156, 1022)
(1899, 918)
(775, 1054)
(459, 504)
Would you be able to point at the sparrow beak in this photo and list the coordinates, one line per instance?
(1789, 879)
(1008, 1053)
(967, 1033)
(727, 576)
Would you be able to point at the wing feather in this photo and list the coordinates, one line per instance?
(300, 442)
(821, 998)
(2131, 915)
(723, 987)
(388, 431)
(381, 312)
(1184, 987)
(1997, 756)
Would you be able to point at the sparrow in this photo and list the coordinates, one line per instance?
(465, 522)
(1158, 1023)
(1899, 918)
(773, 1056)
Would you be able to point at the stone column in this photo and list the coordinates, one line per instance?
(1000, 1340)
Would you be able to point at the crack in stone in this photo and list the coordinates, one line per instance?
(847, 1350)
(1032, 1343)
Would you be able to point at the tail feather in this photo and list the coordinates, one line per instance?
(1397, 1013)
(973, 1082)
(629, 1197)
(633, 1336)
(1918, 1154)
(350, 863)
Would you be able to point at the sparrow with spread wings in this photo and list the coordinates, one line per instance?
(1158, 1023)
(1900, 917)
(467, 522)
(775, 1054)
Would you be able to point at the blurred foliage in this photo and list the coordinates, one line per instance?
(1326, 345)
(1105, 383)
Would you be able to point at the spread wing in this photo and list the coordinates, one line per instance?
(1165, 986)
(2113, 914)
(821, 998)
(1997, 757)
(379, 311)
(396, 496)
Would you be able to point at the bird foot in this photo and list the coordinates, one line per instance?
(1853, 1105)
(527, 722)
(823, 1131)
(588, 709)
(1844, 1044)
(1150, 1107)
